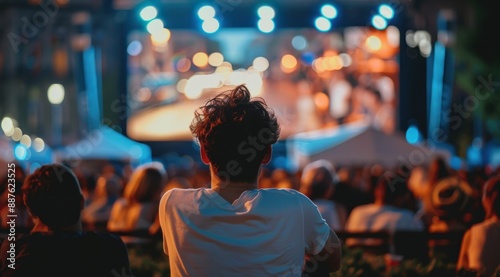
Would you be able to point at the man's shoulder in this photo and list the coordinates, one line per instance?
(283, 192)
(180, 195)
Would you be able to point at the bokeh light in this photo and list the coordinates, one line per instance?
(55, 94)
(200, 59)
(329, 11)
(322, 24)
(148, 13)
(266, 12)
(265, 25)
(134, 48)
(154, 26)
(211, 25)
(379, 22)
(206, 12)
(38, 144)
(299, 43)
(215, 59)
(26, 140)
(386, 11)
(260, 64)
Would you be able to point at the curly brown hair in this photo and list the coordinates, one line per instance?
(235, 130)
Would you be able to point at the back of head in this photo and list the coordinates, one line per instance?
(145, 184)
(318, 179)
(234, 129)
(52, 193)
(392, 189)
(492, 192)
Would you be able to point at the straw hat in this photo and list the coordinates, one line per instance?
(451, 196)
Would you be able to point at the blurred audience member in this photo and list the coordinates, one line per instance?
(96, 214)
(57, 245)
(386, 213)
(318, 183)
(347, 193)
(450, 199)
(480, 244)
(11, 190)
(137, 208)
(438, 169)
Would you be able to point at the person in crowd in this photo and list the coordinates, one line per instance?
(386, 213)
(233, 228)
(96, 214)
(57, 245)
(318, 182)
(451, 199)
(437, 170)
(137, 208)
(347, 190)
(11, 188)
(479, 250)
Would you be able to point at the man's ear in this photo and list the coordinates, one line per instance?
(268, 155)
(203, 155)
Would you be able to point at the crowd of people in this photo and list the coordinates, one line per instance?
(238, 205)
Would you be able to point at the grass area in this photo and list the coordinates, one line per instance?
(148, 260)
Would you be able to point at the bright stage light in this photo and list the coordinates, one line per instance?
(386, 11)
(266, 12)
(265, 25)
(148, 13)
(323, 24)
(329, 11)
(211, 25)
(379, 22)
(206, 12)
(154, 26)
(55, 93)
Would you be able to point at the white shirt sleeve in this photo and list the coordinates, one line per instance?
(316, 230)
(162, 209)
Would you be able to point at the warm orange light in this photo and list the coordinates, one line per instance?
(160, 39)
(200, 59)
(317, 65)
(330, 53)
(288, 63)
(321, 101)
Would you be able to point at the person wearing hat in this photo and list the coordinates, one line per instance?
(450, 199)
(318, 182)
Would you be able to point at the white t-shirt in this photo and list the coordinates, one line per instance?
(483, 247)
(329, 212)
(374, 218)
(265, 232)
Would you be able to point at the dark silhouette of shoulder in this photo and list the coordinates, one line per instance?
(67, 254)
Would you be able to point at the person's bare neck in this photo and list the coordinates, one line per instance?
(231, 191)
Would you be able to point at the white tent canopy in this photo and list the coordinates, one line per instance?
(106, 143)
(358, 144)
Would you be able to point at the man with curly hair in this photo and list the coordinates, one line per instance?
(234, 228)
